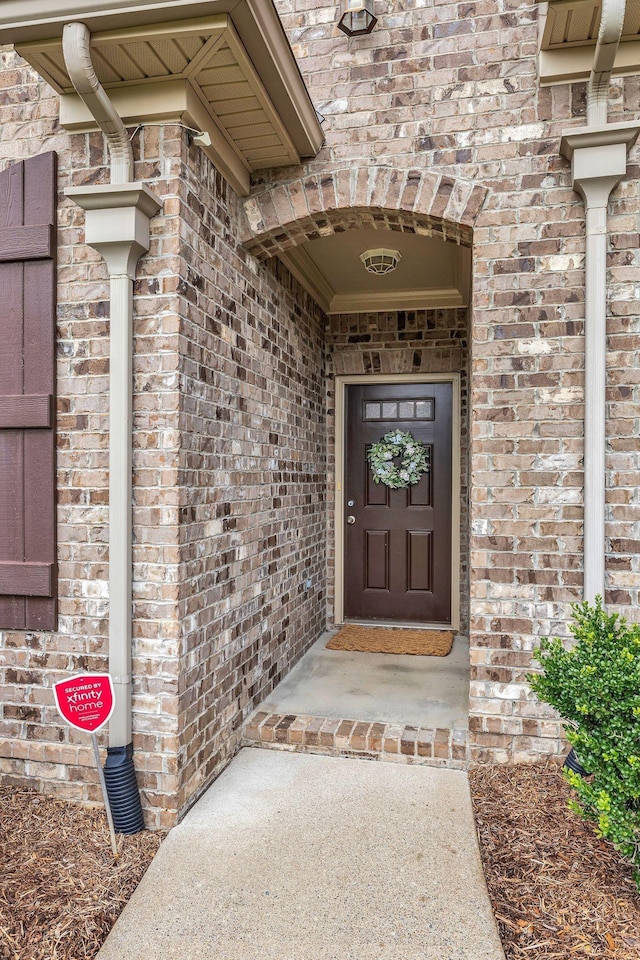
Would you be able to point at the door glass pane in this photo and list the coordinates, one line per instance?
(424, 410)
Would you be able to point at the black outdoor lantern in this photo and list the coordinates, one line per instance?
(357, 17)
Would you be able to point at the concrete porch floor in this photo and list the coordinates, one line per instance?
(407, 709)
(423, 692)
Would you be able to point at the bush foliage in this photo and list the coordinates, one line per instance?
(595, 686)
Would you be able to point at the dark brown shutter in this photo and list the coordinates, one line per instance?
(27, 395)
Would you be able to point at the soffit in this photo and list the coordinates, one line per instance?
(569, 31)
(230, 72)
(576, 22)
(431, 273)
(208, 55)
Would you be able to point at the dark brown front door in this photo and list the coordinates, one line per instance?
(398, 542)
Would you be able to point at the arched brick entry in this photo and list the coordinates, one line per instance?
(282, 216)
(379, 197)
(435, 342)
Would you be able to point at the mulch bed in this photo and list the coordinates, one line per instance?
(60, 888)
(558, 892)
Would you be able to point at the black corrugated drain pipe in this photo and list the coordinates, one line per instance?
(122, 790)
(571, 762)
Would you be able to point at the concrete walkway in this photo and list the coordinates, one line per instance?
(298, 857)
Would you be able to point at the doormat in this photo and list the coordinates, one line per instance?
(367, 639)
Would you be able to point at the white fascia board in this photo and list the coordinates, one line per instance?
(574, 63)
(146, 102)
(280, 73)
(32, 20)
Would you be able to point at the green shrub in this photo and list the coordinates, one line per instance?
(595, 686)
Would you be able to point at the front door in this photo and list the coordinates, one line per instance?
(398, 542)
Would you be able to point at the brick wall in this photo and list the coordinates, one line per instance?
(229, 476)
(252, 477)
(451, 89)
(36, 747)
(433, 122)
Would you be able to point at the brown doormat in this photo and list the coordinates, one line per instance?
(367, 639)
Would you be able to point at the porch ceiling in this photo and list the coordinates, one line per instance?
(432, 272)
(568, 32)
(229, 72)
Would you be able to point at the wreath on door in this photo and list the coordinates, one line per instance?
(398, 460)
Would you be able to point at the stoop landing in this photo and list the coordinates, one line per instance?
(409, 709)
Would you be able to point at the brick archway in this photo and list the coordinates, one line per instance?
(379, 197)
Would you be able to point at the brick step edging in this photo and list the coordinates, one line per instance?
(363, 739)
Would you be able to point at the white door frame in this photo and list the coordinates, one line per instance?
(341, 388)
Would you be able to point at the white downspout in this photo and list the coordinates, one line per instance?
(76, 46)
(604, 58)
(598, 155)
(596, 203)
(117, 225)
(595, 347)
(609, 34)
(596, 199)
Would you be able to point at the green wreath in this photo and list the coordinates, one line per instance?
(398, 460)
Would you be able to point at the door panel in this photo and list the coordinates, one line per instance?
(398, 542)
(375, 494)
(377, 559)
(421, 494)
(420, 560)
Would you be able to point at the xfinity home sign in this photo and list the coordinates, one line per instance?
(86, 701)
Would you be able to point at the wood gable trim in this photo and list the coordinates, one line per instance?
(27, 394)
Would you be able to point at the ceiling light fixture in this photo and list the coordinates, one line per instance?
(380, 261)
(357, 17)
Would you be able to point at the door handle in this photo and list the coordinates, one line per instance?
(351, 519)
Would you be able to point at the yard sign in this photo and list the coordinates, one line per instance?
(86, 702)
